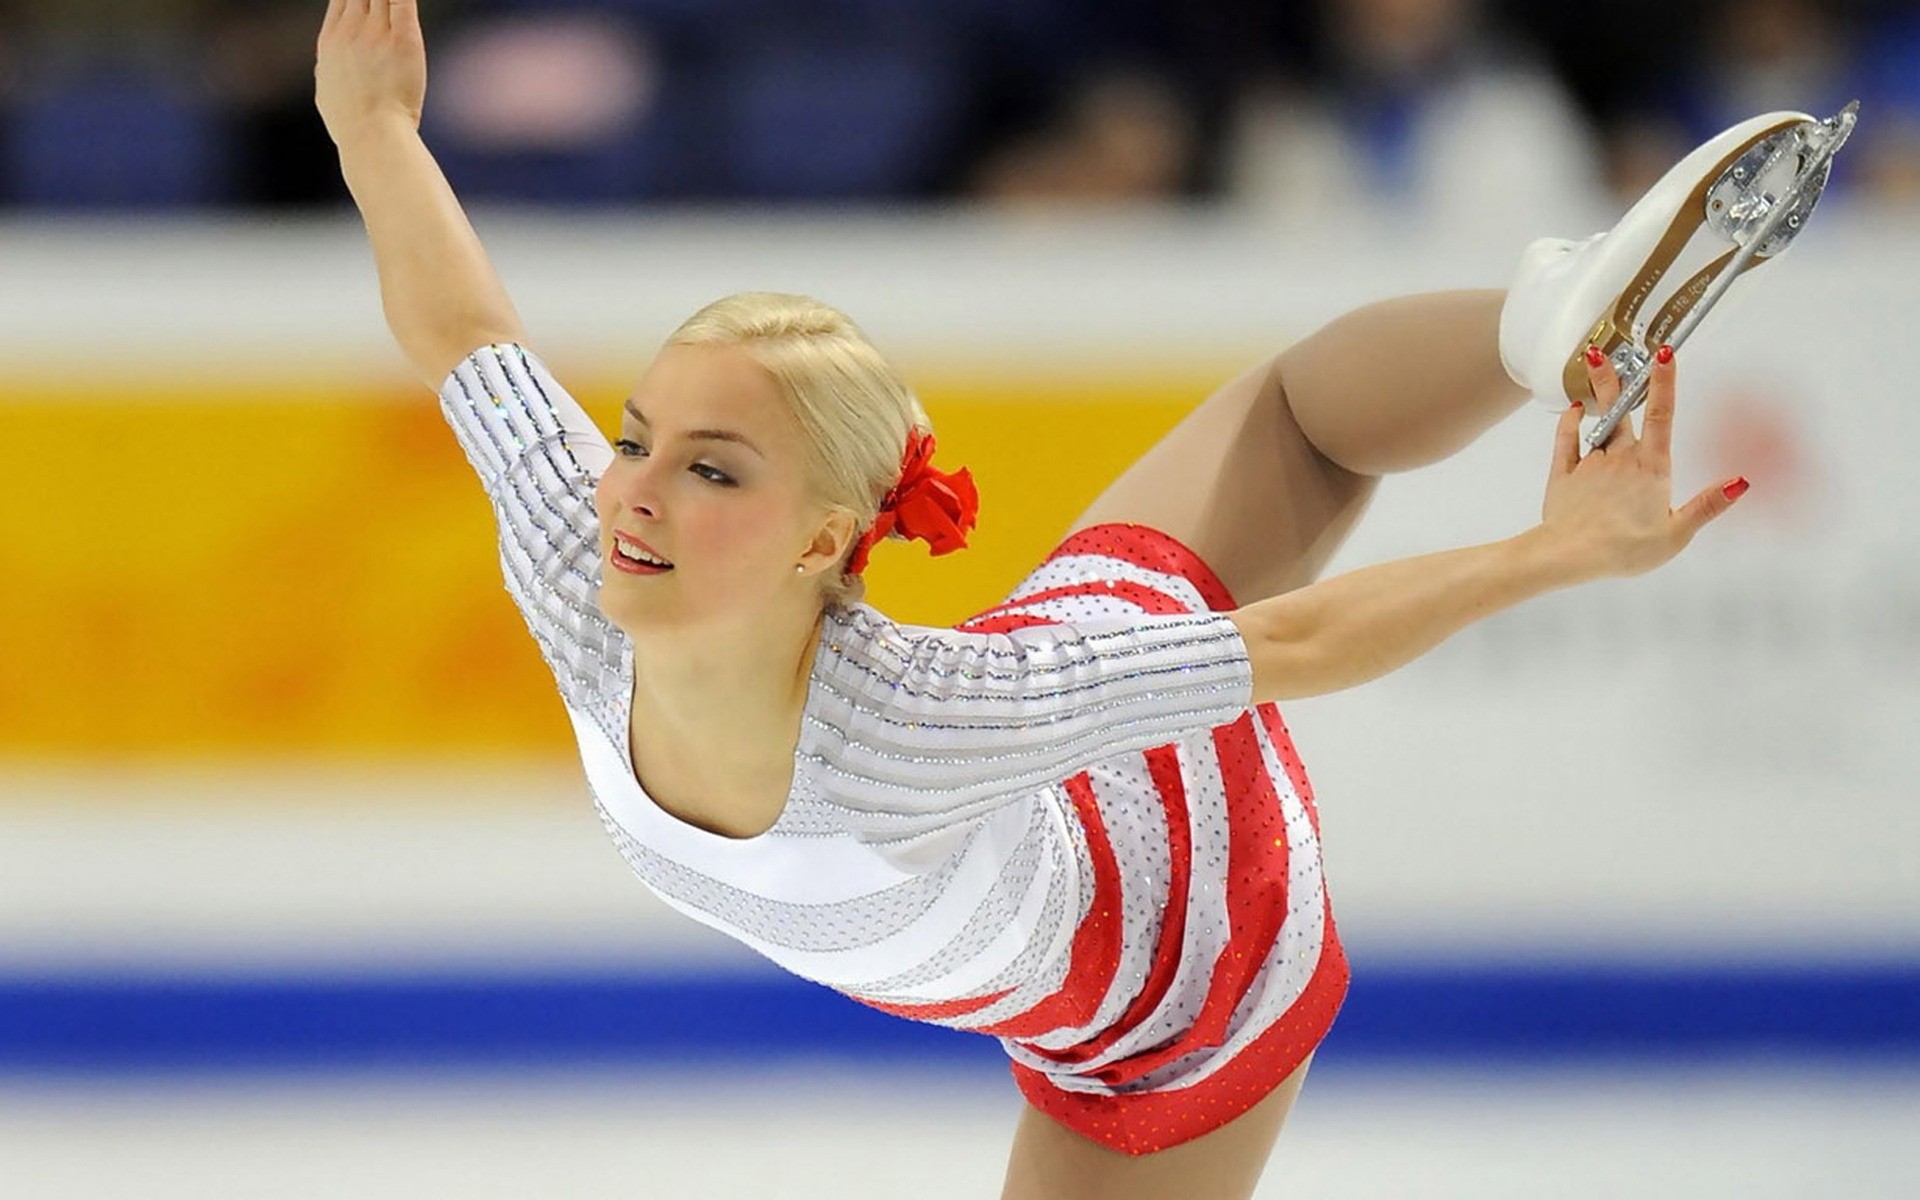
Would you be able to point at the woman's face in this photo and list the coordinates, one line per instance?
(709, 476)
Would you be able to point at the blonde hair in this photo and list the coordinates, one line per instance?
(854, 411)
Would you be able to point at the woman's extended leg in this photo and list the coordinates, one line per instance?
(1265, 479)
(1051, 1162)
(1402, 383)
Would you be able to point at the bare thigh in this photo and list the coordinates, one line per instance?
(1240, 485)
(1051, 1162)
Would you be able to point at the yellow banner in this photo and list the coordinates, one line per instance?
(234, 573)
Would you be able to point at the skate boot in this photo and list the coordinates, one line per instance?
(1729, 206)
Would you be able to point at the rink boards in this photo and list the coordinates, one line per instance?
(284, 782)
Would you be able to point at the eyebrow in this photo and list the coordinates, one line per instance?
(699, 435)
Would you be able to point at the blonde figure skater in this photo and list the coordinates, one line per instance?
(1075, 822)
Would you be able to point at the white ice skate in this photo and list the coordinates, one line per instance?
(1729, 206)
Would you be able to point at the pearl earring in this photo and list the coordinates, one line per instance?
(800, 568)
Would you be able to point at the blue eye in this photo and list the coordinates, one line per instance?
(628, 448)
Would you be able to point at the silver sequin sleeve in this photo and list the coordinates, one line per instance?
(938, 723)
(538, 455)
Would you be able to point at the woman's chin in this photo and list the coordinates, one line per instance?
(636, 615)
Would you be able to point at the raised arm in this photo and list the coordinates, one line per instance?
(1607, 514)
(533, 447)
(441, 295)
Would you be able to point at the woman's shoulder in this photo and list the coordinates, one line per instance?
(859, 626)
(861, 635)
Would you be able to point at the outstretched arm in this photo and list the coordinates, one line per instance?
(535, 450)
(441, 295)
(1358, 626)
(1607, 514)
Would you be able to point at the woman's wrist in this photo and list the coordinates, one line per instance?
(372, 128)
(1557, 559)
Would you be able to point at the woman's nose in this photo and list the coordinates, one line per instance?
(636, 489)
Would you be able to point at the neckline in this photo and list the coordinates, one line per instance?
(678, 826)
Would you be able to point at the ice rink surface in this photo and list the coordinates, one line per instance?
(1751, 1132)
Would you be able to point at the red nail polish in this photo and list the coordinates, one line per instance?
(1594, 357)
(1664, 355)
(1736, 489)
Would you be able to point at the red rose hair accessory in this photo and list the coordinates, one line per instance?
(928, 504)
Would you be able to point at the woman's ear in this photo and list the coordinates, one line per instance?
(832, 538)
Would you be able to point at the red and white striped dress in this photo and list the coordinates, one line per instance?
(1059, 823)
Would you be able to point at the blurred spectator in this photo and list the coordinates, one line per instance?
(1419, 106)
(1123, 135)
(862, 106)
(1761, 55)
(9, 77)
(260, 56)
(121, 27)
(1750, 57)
(554, 107)
(1769, 54)
(1889, 157)
(1431, 107)
(114, 138)
(1124, 100)
(1892, 96)
(111, 108)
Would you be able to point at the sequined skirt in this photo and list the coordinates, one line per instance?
(1207, 967)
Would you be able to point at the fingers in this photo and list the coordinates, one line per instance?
(350, 17)
(1710, 503)
(1656, 426)
(404, 15)
(1566, 441)
(1605, 382)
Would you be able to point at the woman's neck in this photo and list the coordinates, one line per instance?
(700, 686)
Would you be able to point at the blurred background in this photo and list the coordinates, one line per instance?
(300, 890)
(1281, 107)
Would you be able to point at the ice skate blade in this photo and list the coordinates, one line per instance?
(1785, 169)
(1759, 202)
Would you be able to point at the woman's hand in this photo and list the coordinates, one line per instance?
(1612, 509)
(441, 295)
(371, 65)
